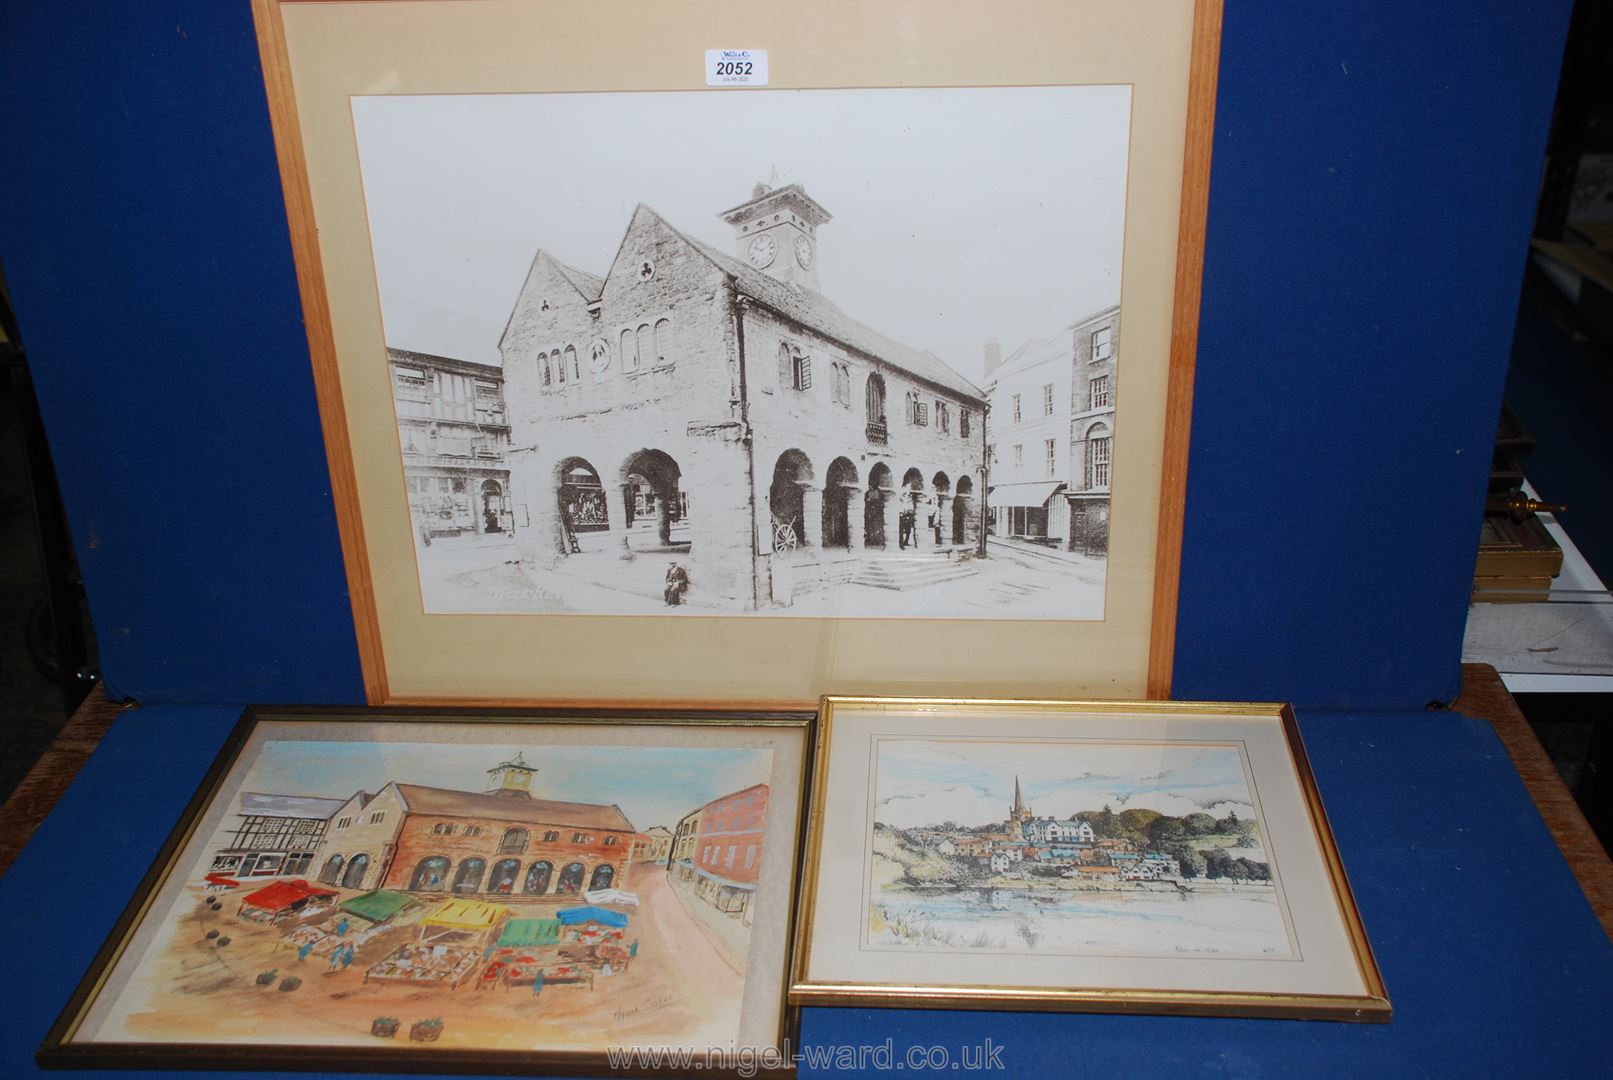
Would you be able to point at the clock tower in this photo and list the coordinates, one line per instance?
(776, 232)
(511, 779)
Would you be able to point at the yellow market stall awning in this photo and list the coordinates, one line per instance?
(465, 915)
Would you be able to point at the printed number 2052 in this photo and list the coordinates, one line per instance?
(735, 67)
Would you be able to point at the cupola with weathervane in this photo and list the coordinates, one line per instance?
(777, 233)
(512, 778)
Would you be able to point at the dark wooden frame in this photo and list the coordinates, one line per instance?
(57, 1052)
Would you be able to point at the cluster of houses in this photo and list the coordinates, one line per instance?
(1025, 840)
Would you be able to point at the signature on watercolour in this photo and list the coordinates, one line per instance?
(1069, 846)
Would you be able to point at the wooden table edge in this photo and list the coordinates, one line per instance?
(38, 792)
(1485, 697)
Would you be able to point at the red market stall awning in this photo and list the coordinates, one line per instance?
(283, 894)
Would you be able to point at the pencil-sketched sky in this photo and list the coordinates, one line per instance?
(971, 782)
(960, 215)
(653, 785)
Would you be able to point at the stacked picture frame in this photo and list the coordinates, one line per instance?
(477, 890)
(763, 562)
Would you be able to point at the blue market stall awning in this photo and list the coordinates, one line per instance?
(578, 915)
(1033, 493)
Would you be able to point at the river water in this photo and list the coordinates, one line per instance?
(1247, 922)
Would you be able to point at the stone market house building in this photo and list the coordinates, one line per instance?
(454, 437)
(731, 404)
(1092, 429)
(276, 835)
(502, 842)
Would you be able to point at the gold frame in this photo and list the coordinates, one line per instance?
(1372, 1006)
(59, 1051)
(1156, 613)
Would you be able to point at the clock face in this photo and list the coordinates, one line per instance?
(803, 252)
(762, 251)
(598, 356)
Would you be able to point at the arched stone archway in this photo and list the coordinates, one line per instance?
(792, 500)
(468, 878)
(963, 512)
(841, 529)
(584, 507)
(537, 877)
(651, 487)
(912, 498)
(940, 508)
(356, 867)
(493, 508)
(570, 879)
(430, 874)
(331, 872)
(502, 880)
(879, 508)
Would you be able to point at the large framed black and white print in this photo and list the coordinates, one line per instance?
(755, 353)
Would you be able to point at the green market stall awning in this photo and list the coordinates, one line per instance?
(377, 906)
(529, 933)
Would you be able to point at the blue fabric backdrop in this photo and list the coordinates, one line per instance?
(1374, 174)
(1375, 167)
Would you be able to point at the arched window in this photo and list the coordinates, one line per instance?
(469, 877)
(646, 344)
(537, 877)
(629, 351)
(551, 836)
(801, 371)
(874, 399)
(354, 878)
(571, 362)
(513, 841)
(664, 344)
(603, 875)
(559, 368)
(505, 871)
(841, 383)
(331, 873)
(429, 874)
(1099, 446)
(784, 362)
(543, 369)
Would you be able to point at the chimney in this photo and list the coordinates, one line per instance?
(994, 356)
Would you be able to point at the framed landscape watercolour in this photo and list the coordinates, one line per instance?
(412, 891)
(1167, 857)
(873, 377)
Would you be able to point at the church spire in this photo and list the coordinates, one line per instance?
(1020, 813)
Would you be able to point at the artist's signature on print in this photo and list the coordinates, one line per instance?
(655, 1004)
(524, 594)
